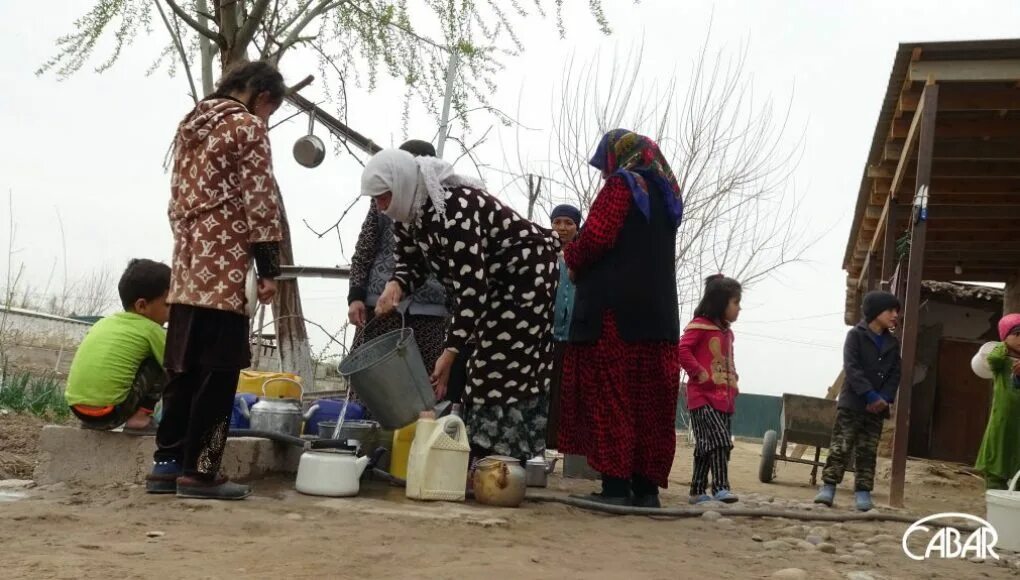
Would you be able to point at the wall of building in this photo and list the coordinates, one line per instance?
(39, 342)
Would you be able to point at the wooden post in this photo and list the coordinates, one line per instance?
(889, 247)
(912, 303)
(1011, 301)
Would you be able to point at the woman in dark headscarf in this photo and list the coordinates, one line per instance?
(372, 267)
(622, 372)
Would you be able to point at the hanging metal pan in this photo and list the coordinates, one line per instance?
(309, 150)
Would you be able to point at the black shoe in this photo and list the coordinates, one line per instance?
(163, 477)
(647, 501)
(611, 500)
(221, 488)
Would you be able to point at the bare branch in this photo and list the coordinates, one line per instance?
(175, 35)
(194, 24)
(251, 23)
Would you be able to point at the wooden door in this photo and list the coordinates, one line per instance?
(962, 404)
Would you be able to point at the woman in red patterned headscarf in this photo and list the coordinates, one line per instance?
(621, 372)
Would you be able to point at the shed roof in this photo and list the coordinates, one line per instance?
(974, 207)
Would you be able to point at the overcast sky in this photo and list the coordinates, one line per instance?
(90, 150)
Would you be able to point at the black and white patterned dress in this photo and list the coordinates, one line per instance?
(502, 272)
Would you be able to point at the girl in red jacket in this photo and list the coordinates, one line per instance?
(706, 354)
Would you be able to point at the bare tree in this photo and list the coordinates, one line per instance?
(353, 40)
(731, 155)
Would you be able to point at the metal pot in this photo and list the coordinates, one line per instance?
(278, 415)
(538, 470)
(499, 481)
(356, 433)
(309, 150)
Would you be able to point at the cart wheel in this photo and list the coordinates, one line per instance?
(767, 468)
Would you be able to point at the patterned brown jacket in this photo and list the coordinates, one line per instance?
(223, 200)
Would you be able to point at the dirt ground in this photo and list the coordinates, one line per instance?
(19, 444)
(65, 532)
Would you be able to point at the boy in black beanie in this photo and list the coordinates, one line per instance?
(871, 363)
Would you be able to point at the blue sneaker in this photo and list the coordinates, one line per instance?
(862, 500)
(697, 499)
(726, 496)
(826, 495)
(163, 478)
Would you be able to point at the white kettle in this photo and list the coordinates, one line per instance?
(979, 364)
(330, 472)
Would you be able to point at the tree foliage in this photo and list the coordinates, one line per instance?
(355, 40)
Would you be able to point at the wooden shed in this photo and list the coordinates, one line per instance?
(939, 197)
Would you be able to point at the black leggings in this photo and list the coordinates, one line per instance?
(196, 416)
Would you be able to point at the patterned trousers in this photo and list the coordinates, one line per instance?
(712, 446)
(856, 434)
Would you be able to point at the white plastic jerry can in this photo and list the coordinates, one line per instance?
(438, 464)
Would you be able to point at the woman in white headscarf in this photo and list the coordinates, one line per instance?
(501, 271)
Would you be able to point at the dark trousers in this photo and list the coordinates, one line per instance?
(196, 418)
(856, 434)
(205, 352)
(458, 375)
(146, 389)
(552, 429)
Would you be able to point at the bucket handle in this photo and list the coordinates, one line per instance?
(301, 389)
(1012, 482)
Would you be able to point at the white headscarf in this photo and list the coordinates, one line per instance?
(411, 180)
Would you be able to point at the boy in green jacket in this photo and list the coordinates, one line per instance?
(117, 375)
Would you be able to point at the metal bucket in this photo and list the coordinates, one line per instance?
(389, 376)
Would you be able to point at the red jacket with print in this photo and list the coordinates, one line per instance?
(705, 347)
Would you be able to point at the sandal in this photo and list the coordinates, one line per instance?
(147, 431)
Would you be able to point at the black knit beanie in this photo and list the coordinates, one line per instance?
(876, 303)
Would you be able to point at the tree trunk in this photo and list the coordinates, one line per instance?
(291, 333)
(1011, 301)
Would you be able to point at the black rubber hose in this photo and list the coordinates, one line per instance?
(278, 437)
(815, 516)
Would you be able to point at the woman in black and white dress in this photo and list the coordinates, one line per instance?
(501, 271)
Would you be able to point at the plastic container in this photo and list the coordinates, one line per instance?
(253, 381)
(438, 466)
(1003, 507)
(402, 440)
(239, 418)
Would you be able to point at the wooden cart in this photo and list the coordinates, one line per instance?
(806, 421)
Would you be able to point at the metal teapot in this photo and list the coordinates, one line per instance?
(279, 415)
(499, 481)
(538, 471)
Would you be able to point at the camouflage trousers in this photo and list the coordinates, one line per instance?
(856, 434)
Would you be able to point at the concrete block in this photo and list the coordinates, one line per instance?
(85, 456)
